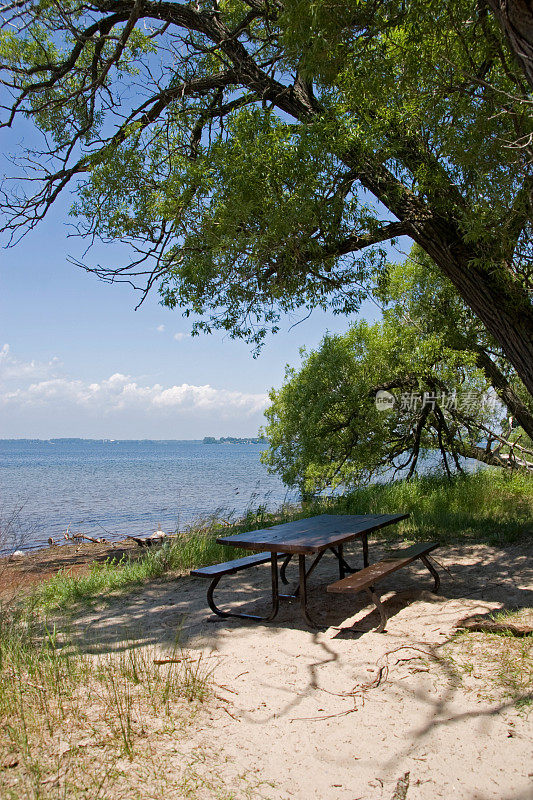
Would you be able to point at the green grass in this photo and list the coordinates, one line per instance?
(64, 590)
(488, 506)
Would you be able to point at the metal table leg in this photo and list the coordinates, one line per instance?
(314, 565)
(374, 596)
(364, 538)
(344, 567)
(275, 596)
(303, 588)
(427, 563)
(283, 567)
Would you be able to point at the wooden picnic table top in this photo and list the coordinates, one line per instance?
(313, 534)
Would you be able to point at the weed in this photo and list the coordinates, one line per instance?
(497, 664)
(67, 717)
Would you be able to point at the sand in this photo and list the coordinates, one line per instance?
(344, 712)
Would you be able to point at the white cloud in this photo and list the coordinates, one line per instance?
(160, 328)
(38, 386)
(13, 369)
(180, 336)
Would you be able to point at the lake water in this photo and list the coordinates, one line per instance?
(116, 488)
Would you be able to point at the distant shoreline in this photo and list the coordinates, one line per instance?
(234, 440)
(103, 440)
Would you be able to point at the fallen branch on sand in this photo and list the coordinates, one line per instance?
(488, 625)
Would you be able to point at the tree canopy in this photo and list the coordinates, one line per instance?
(326, 426)
(259, 154)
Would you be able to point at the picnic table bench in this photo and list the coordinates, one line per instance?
(365, 579)
(217, 571)
(314, 536)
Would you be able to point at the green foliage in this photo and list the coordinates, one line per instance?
(254, 156)
(423, 77)
(415, 292)
(324, 429)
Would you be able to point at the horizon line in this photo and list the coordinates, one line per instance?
(109, 439)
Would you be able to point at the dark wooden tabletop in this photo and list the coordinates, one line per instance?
(311, 535)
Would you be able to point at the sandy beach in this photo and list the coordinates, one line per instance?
(343, 712)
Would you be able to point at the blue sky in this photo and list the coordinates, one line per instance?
(77, 360)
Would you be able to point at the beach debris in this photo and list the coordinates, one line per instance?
(76, 537)
(147, 541)
(154, 538)
(485, 624)
(400, 793)
(18, 553)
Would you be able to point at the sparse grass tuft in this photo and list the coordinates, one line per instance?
(497, 665)
(67, 718)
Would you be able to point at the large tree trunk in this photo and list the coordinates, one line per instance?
(493, 296)
(505, 392)
(516, 20)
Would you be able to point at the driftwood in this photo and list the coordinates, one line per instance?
(147, 541)
(488, 625)
(143, 541)
(76, 537)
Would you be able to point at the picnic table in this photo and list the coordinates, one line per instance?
(314, 537)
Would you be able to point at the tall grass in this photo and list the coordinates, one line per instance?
(488, 506)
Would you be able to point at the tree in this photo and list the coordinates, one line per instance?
(325, 428)
(259, 154)
(415, 293)
(516, 20)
